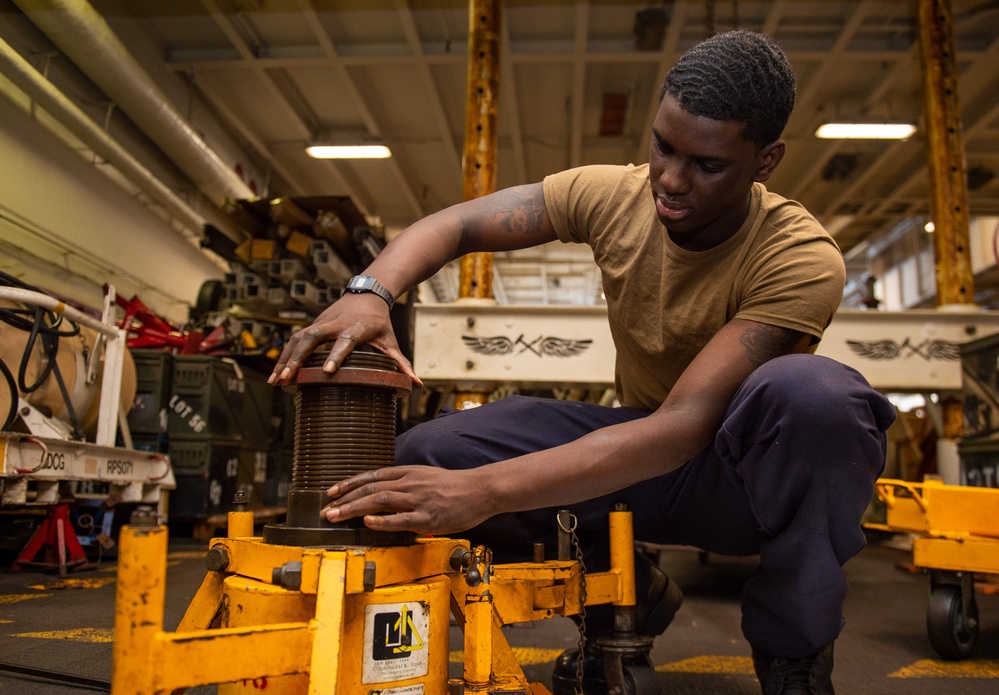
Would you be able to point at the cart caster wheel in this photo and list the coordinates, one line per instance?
(641, 680)
(950, 636)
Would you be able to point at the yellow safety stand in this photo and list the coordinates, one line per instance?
(957, 536)
(352, 620)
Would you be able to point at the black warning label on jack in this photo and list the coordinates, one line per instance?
(395, 641)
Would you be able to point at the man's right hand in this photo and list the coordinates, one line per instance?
(515, 218)
(353, 320)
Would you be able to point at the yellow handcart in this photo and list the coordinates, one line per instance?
(956, 531)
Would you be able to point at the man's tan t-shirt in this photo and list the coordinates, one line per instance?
(665, 303)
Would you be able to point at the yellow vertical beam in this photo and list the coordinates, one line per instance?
(138, 609)
(479, 154)
(955, 283)
(478, 637)
(240, 524)
(952, 409)
(622, 549)
(326, 647)
(948, 183)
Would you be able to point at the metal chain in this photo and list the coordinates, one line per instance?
(581, 645)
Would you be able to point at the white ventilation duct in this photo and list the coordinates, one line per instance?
(85, 37)
(45, 94)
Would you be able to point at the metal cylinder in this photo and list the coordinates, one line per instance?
(344, 425)
(343, 430)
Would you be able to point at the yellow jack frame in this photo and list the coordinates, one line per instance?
(299, 620)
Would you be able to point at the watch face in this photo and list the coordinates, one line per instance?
(366, 283)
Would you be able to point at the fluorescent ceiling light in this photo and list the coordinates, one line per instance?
(865, 131)
(348, 151)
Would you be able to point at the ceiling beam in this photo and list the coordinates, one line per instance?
(433, 94)
(238, 124)
(833, 147)
(354, 96)
(833, 59)
(665, 60)
(577, 109)
(889, 80)
(974, 127)
(772, 21)
(805, 96)
(973, 81)
(982, 62)
(296, 119)
(188, 61)
(510, 105)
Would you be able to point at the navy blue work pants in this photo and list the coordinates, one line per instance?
(788, 476)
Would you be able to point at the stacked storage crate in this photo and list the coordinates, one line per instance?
(979, 448)
(219, 429)
(147, 419)
(96, 522)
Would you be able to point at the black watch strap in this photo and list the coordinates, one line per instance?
(360, 284)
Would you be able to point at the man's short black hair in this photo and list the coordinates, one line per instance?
(736, 76)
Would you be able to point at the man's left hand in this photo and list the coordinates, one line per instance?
(423, 499)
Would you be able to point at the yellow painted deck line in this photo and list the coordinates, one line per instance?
(932, 668)
(90, 583)
(173, 559)
(526, 656)
(5, 622)
(17, 598)
(739, 665)
(83, 634)
(533, 655)
(742, 665)
(186, 554)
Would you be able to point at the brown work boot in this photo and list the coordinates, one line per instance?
(664, 597)
(809, 675)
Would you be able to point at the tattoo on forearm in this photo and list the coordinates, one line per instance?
(763, 342)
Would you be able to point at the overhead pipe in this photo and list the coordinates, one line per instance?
(46, 95)
(77, 30)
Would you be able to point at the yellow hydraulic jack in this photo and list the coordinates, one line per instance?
(319, 608)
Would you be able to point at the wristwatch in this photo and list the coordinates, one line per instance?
(359, 284)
